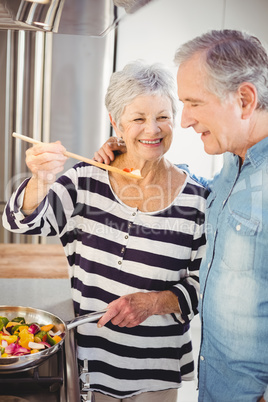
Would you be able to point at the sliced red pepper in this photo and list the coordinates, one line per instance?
(129, 170)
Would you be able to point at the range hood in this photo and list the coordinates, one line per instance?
(74, 17)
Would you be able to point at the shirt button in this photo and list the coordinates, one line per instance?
(202, 358)
(201, 296)
(119, 262)
(238, 227)
(129, 225)
(209, 265)
(122, 249)
(126, 236)
(134, 214)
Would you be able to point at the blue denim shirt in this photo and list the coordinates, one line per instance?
(233, 304)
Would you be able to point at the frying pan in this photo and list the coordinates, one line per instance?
(21, 363)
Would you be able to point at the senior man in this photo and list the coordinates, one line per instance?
(223, 84)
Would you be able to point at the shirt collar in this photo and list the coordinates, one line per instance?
(257, 153)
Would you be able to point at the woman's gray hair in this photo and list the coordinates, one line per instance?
(136, 79)
(230, 58)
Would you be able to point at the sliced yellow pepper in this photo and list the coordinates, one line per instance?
(35, 351)
(9, 338)
(22, 327)
(11, 324)
(25, 338)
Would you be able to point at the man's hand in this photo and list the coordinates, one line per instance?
(106, 154)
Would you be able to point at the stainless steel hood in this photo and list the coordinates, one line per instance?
(74, 17)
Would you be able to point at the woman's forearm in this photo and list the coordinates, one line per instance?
(35, 192)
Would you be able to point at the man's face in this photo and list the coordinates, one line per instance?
(218, 121)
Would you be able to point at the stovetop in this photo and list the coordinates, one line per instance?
(53, 295)
(43, 383)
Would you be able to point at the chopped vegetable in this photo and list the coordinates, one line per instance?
(34, 351)
(21, 320)
(133, 171)
(34, 328)
(57, 338)
(3, 322)
(10, 339)
(11, 324)
(51, 340)
(25, 338)
(47, 328)
(137, 172)
(33, 345)
(17, 338)
(40, 336)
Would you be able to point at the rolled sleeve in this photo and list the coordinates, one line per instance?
(14, 218)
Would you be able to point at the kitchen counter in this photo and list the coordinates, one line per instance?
(33, 261)
(37, 276)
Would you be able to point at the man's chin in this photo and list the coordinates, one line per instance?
(211, 150)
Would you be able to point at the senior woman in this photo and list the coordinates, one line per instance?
(133, 245)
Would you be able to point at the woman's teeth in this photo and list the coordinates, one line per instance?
(151, 142)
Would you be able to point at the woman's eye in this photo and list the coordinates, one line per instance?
(138, 120)
(163, 118)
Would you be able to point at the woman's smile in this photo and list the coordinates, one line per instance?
(151, 142)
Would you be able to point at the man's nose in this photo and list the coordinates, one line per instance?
(187, 118)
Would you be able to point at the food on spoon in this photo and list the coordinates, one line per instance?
(17, 338)
(133, 171)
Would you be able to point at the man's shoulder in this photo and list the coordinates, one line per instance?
(199, 181)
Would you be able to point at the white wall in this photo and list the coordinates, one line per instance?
(158, 29)
(153, 34)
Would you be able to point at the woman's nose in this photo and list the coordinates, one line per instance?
(152, 126)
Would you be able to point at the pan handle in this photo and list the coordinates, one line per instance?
(83, 319)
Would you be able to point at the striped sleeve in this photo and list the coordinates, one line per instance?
(187, 290)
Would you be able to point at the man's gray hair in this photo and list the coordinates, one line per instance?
(137, 79)
(230, 58)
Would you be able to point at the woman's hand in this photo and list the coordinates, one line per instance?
(106, 154)
(45, 161)
(131, 310)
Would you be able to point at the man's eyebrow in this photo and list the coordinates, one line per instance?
(196, 100)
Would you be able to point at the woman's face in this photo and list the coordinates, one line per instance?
(147, 127)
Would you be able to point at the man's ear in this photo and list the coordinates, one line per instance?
(249, 99)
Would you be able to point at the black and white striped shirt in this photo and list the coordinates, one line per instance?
(114, 250)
